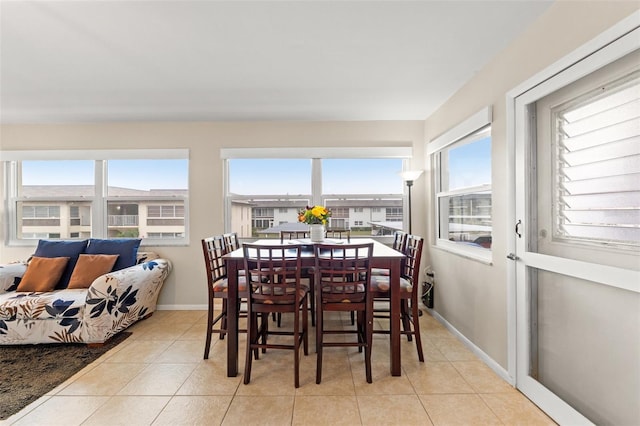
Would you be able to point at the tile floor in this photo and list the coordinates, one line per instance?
(157, 376)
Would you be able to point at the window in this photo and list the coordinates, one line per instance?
(393, 214)
(462, 175)
(340, 213)
(155, 186)
(39, 235)
(273, 190)
(64, 198)
(40, 215)
(166, 211)
(164, 235)
(79, 215)
(597, 164)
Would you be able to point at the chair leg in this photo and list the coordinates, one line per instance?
(312, 291)
(223, 320)
(416, 329)
(361, 326)
(296, 349)
(406, 318)
(264, 330)
(296, 362)
(252, 325)
(207, 344)
(369, 340)
(305, 329)
(319, 340)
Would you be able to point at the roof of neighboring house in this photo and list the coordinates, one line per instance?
(289, 226)
(88, 191)
(345, 201)
(388, 225)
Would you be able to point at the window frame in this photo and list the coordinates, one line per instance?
(316, 155)
(99, 201)
(577, 98)
(457, 135)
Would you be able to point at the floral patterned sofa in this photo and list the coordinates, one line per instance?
(113, 302)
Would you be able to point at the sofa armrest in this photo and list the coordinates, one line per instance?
(118, 299)
(9, 275)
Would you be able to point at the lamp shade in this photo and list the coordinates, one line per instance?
(410, 175)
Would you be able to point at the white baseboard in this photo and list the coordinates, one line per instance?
(182, 307)
(497, 368)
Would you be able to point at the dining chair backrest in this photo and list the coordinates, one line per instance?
(411, 265)
(338, 233)
(342, 279)
(231, 242)
(343, 271)
(293, 235)
(213, 249)
(399, 240)
(273, 273)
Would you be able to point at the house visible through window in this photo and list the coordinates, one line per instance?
(64, 198)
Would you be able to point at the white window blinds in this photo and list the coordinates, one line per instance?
(598, 164)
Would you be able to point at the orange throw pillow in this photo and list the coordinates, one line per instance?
(43, 273)
(90, 267)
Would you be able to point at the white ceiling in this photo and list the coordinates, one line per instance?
(71, 61)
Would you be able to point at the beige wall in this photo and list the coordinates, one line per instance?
(186, 285)
(472, 296)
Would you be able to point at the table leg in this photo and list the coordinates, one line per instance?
(232, 318)
(394, 279)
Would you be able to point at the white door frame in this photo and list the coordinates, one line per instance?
(581, 61)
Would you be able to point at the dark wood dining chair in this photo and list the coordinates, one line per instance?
(399, 243)
(343, 275)
(340, 233)
(293, 235)
(409, 292)
(306, 273)
(213, 249)
(273, 274)
(231, 242)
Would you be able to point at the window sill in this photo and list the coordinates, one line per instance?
(472, 253)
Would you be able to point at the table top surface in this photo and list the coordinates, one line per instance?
(379, 250)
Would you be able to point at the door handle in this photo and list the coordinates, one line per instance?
(512, 256)
(518, 228)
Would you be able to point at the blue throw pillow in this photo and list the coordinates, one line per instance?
(126, 248)
(61, 248)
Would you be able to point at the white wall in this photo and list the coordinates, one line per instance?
(472, 296)
(186, 286)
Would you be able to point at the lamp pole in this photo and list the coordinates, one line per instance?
(409, 176)
(409, 185)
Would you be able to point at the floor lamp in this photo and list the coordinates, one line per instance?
(409, 176)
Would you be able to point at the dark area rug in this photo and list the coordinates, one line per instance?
(29, 371)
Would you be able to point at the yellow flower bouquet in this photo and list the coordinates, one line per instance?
(316, 215)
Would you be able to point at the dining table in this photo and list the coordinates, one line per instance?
(383, 257)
